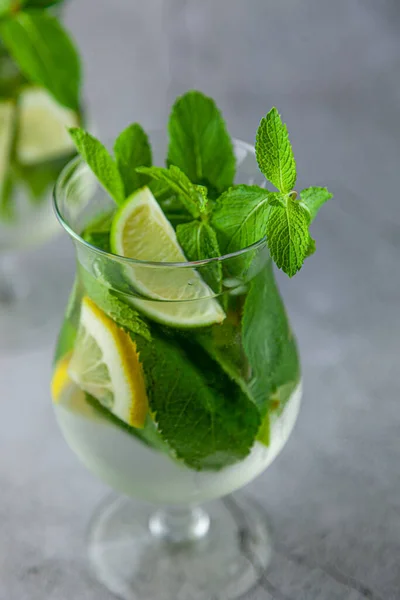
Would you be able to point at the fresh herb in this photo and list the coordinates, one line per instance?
(267, 340)
(39, 45)
(132, 149)
(200, 412)
(193, 197)
(199, 143)
(101, 163)
(199, 241)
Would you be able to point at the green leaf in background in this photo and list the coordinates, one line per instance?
(199, 142)
(240, 216)
(41, 3)
(202, 414)
(45, 54)
(198, 242)
(268, 341)
(288, 236)
(101, 163)
(314, 198)
(7, 206)
(193, 197)
(274, 152)
(132, 149)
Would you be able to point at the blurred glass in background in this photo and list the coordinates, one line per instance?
(34, 147)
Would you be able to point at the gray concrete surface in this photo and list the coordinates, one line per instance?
(333, 69)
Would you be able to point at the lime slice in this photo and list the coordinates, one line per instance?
(105, 364)
(42, 127)
(7, 114)
(174, 296)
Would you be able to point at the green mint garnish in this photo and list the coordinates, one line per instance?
(193, 197)
(101, 163)
(288, 238)
(194, 186)
(274, 152)
(200, 412)
(287, 235)
(107, 299)
(199, 143)
(240, 215)
(199, 242)
(314, 198)
(268, 341)
(39, 45)
(132, 149)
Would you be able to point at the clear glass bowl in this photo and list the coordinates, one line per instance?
(180, 550)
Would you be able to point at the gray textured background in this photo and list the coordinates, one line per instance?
(333, 69)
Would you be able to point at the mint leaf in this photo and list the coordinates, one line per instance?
(172, 207)
(198, 242)
(100, 161)
(199, 142)
(287, 235)
(193, 197)
(107, 299)
(240, 216)
(97, 233)
(268, 341)
(274, 152)
(314, 198)
(311, 247)
(132, 149)
(200, 412)
(45, 54)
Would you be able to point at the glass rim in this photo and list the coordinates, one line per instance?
(57, 191)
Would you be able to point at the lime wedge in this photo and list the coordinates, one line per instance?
(42, 127)
(105, 364)
(174, 296)
(7, 115)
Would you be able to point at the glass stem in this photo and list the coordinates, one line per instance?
(178, 524)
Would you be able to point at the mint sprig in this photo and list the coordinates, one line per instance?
(274, 152)
(240, 215)
(286, 228)
(193, 197)
(199, 242)
(287, 235)
(132, 149)
(100, 162)
(314, 198)
(199, 143)
(201, 413)
(200, 152)
(44, 53)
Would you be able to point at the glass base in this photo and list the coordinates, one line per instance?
(34, 286)
(180, 554)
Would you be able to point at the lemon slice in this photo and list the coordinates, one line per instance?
(61, 379)
(105, 363)
(7, 114)
(174, 296)
(42, 127)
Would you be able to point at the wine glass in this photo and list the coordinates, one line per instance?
(34, 148)
(210, 382)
